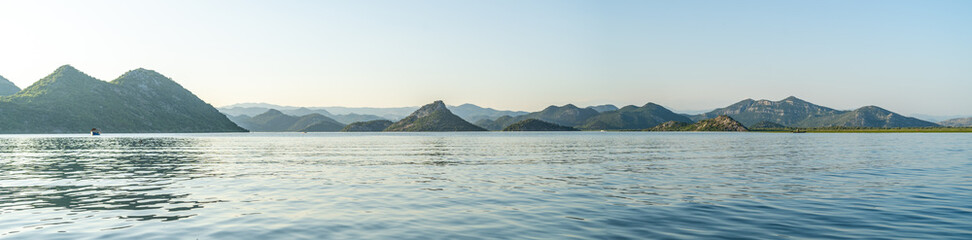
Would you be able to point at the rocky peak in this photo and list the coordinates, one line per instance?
(430, 108)
(144, 77)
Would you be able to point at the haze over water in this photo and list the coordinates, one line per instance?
(486, 185)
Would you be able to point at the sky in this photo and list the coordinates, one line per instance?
(912, 57)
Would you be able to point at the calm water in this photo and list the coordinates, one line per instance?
(487, 185)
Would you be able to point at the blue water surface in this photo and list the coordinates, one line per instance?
(586, 185)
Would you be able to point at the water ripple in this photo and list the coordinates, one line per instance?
(486, 185)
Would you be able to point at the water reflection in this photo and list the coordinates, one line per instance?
(128, 178)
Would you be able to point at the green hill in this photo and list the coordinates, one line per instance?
(537, 125)
(788, 112)
(434, 117)
(632, 117)
(767, 125)
(276, 121)
(369, 126)
(69, 101)
(794, 112)
(718, 124)
(324, 126)
(7, 88)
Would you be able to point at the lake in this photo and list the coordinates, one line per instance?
(587, 185)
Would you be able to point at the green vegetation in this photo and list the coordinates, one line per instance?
(369, 126)
(494, 124)
(767, 125)
(604, 108)
(719, 124)
(434, 117)
(632, 117)
(7, 88)
(69, 101)
(537, 125)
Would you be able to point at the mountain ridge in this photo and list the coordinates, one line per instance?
(70, 101)
(7, 87)
(795, 112)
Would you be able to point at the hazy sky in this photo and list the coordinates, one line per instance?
(907, 56)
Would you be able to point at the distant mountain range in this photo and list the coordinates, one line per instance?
(786, 113)
(467, 111)
(275, 121)
(69, 101)
(794, 112)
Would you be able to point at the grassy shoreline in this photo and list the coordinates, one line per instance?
(873, 130)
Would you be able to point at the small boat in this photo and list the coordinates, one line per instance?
(799, 131)
(95, 132)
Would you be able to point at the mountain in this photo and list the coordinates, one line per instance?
(434, 117)
(537, 125)
(567, 115)
(632, 117)
(604, 108)
(789, 111)
(69, 101)
(369, 126)
(473, 113)
(7, 88)
(794, 112)
(869, 116)
(467, 111)
(393, 113)
(957, 122)
(767, 125)
(276, 121)
(721, 123)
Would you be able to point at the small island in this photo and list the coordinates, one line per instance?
(721, 123)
